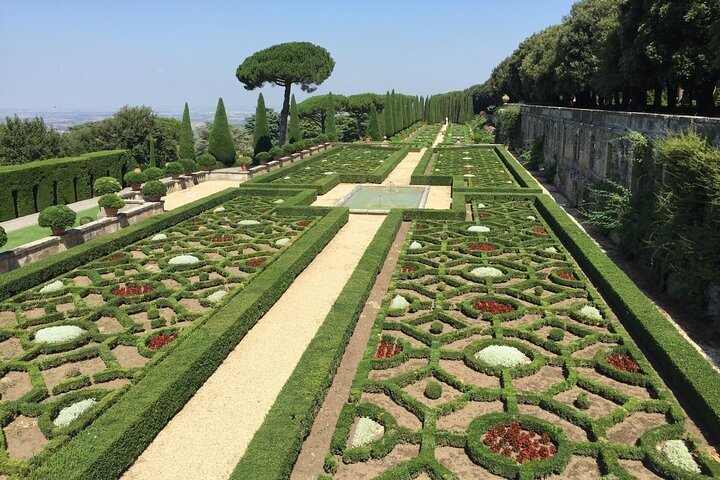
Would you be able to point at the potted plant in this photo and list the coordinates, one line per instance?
(154, 173)
(244, 162)
(111, 203)
(57, 218)
(276, 152)
(175, 169)
(262, 157)
(135, 179)
(189, 165)
(3, 237)
(154, 189)
(207, 161)
(288, 148)
(105, 185)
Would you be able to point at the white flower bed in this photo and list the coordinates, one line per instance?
(468, 175)
(68, 414)
(479, 229)
(551, 250)
(487, 272)
(415, 245)
(481, 205)
(58, 334)
(366, 431)
(502, 356)
(591, 312)
(399, 303)
(52, 287)
(248, 222)
(158, 237)
(328, 173)
(219, 209)
(677, 453)
(286, 178)
(279, 201)
(183, 260)
(282, 242)
(216, 296)
(530, 217)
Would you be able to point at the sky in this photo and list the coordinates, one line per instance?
(98, 55)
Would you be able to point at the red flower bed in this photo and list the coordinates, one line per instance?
(132, 290)
(408, 269)
(160, 340)
(484, 247)
(493, 306)
(420, 227)
(115, 256)
(255, 262)
(302, 224)
(540, 231)
(220, 239)
(483, 215)
(567, 275)
(623, 362)
(386, 349)
(521, 445)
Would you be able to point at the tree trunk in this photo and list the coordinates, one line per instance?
(672, 96)
(657, 97)
(284, 114)
(706, 97)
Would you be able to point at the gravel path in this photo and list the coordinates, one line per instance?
(208, 436)
(201, 190)
(403, 171)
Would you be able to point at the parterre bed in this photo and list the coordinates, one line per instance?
(457, 133)
(478, 167)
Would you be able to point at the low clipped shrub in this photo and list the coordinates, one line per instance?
(105, 185)
(323, 138)
(154, 189)
(556, 334)
(433, 390)
(276, 152)
(189, 165)
(111, 203)
(436, 327)
(288, 148)
(174, 168)
(57, 217)
(135, 178)
(207, 161)
(154, 173)
(582, 401)
(3, 237)
(262, 157)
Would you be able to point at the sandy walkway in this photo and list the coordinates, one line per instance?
(331, 198)
(439, 198)
(182, 197)
(404, 170)
(206, 439)
(441, 136)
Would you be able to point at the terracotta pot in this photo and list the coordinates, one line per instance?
(154, 198)
(188, 173)
(207, 168)
(276, 157)
(135, 186)
(175, 176)
(244, 167)
(57, 230)
(263, 162)
(111, 212)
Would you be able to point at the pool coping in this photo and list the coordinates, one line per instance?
(351, 193)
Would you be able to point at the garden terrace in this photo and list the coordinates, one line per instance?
(425, 135)
(458, 133)
(80, 342)
(341, 164)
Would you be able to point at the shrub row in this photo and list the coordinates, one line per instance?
(28, 188)
(108, 446)
(276, 445)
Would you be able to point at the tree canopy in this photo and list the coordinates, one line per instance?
(221, 144)
(294, 127)
(301, 63)
(261, 133)
(187, 140)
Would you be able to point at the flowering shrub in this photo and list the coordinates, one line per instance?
(282, 242)
(58, 334)
(387, 349)
(160, 340)
(158, 237)
(622, 362)
(493, 306)
(131, 290)
(408, 269)
(248, 222)
(521, 445)
(483, 247)
(502, 356)
(487, 272)
(591, 312)
(366, 431)
(478, 228)
(219, 239)
(677, 453)
(540, 231)
(183, 260)
(52, 287)
(255, 262)
(415, 245)
(219, 210)
(68, 414)
(399, 303)
(567, 275)
(216, 296)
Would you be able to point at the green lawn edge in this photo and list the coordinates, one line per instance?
(274, 448)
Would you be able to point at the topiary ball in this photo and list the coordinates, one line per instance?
(105, 185)
(436, 327)
(154, 173)
(433, 390)
(59, 216)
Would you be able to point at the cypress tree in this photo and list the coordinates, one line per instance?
(395, 112)
(401, 112)
(152, 163)
(389, 118)
(381, 123)
(187, 140)
(261, 134)
(330, 129)
(221, 144)
(294, 126)
(373, 130)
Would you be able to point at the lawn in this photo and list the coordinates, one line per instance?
(25, 235)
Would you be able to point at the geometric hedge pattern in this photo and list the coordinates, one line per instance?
(457, 133)
(477, 167)
(601, 419)
(342, 160)
(128, 306)
(425, 135)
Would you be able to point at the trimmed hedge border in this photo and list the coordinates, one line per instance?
(62, 180)
(685, 369)
(275, 446)
(112, 443)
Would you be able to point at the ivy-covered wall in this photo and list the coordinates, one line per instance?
(27, 189)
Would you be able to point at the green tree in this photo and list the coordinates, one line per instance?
(330, 129)
(294, 128)
(27, 140)
(241, 138)
(261, 133)
(273, 122)
(388, 116)
(220, 143)
(286, 64)
(358, 107)
(187, 140)
(373, 130)
(152, 161)
(313, 108)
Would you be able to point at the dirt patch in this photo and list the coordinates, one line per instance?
(373, 468)
(599, 406)
(108, 325)
(55, 375)
(412, 340)
(14, 385)
(464, 342)
(10, 348)
(579, 468)
(416, 389)
(590, 351)
(94, 300)
(568, 338)
(628, 431)
(192, 305)
(401, 415)
(82, 281)
(34, 313)
(24, 438)
(408, 366)
(113, 384)
(458, 462)
(7, 319)
(171, 284)
(545, 378)
(574, 433)
(65, 307)
(632, 390)
(468, 375)
(636, 468)
(460, 419)
(128, 357)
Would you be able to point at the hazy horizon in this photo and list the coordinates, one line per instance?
(97, 57)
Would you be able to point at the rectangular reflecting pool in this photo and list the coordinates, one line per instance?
(381, 198)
